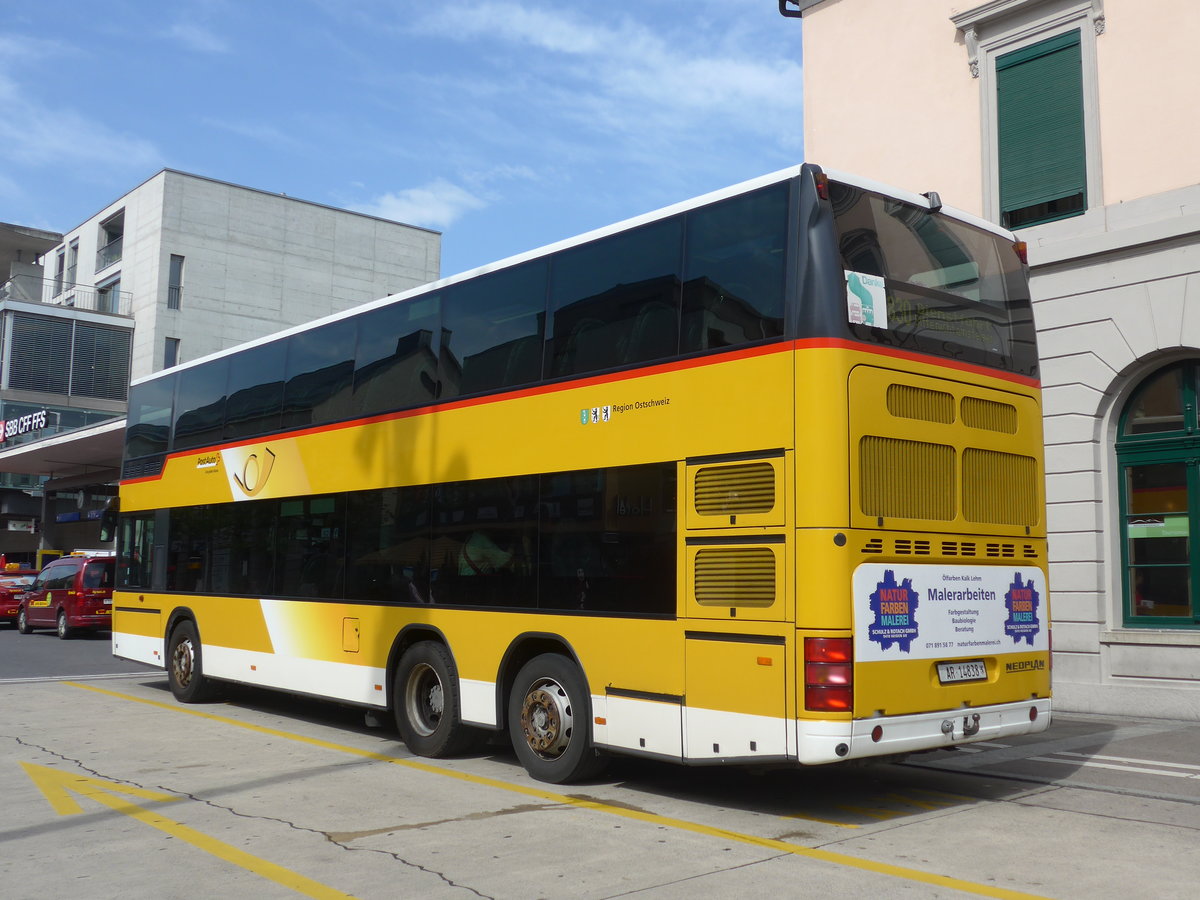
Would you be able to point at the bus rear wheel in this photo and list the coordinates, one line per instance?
(64, 630)
(549, 721)
(425, 696)
(185, 670)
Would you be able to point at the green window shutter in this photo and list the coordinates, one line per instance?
(1039, 102)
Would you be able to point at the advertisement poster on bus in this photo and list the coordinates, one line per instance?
(933, 612)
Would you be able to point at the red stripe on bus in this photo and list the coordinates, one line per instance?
(678, 365)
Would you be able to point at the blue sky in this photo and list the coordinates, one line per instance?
(505, 124)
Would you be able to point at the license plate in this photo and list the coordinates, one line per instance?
(108, 601)
(971, 670)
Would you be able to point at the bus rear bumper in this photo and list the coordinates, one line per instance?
(826, 742)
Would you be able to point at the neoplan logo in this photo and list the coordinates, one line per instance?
(1025, 665)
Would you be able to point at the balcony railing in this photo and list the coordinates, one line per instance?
(39, 290)
(109, 253)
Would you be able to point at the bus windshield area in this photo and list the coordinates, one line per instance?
(932, 284)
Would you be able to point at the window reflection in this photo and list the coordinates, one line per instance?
(616, 301)
(493, 331)
(1158, 405)
(734, 271)
(600, 540)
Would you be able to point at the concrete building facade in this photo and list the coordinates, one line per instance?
(1065, 120)
(178, 268)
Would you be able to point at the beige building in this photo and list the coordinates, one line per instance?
(1069, 121)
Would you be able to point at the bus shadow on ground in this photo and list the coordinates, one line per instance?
(846, 795)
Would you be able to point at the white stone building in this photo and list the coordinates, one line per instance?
(1070, 121)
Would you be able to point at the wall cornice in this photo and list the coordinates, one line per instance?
(972, 22)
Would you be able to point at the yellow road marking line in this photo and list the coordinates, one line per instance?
(841, 859)
(57, 786)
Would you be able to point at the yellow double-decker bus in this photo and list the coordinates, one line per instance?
(753, 479)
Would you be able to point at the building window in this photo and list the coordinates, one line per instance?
(175, 282)
(1039, 132)
(108, 296)
(1036, 65)
(1158, 457)
(100, 362)
(59, 267)
(111, 238)
(72, 263)
(170, 352)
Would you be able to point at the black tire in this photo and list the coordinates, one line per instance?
(23, 625)
(65, 631)
(425, 699)
(550, 721)
(185, 669)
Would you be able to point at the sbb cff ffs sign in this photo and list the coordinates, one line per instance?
(11, 428)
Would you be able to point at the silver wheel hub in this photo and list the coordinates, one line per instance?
(182, 662)
(546, 719)
(424, 699)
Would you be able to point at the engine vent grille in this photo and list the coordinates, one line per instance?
(962, 549)
(740, 576)
(142, 468)
(906, 479)
(999, 488)
(989, 415)
(920, 403)
(735, 490)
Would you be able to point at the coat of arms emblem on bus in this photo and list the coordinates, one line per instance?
(1022, 602)
(894, 605)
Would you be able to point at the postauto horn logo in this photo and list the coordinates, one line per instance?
(255, 472)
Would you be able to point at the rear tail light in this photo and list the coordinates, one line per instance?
(828, 674)
(1022, 251)
(822, 182)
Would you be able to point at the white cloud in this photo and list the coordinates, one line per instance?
(49, 137)
(628, 77)
(260, 132)
(514, 23)
(197, 37)
(437, 204)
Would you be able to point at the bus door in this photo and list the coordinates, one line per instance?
(736, 585)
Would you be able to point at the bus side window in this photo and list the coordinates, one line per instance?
(734, 271)
(616, 301)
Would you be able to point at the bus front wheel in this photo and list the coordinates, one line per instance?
(426, 700)
(549, 721)
(23, 625)
(185, 671)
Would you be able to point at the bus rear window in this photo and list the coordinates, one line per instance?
(932, 284)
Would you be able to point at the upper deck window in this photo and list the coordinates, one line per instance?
(940, 286)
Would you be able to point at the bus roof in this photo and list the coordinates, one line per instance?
(595, 234)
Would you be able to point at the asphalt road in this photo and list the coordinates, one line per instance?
(112, 789)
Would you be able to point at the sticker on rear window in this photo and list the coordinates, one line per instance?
(866, 300)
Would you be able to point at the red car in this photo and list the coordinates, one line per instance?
(71, 593)
(13, 583)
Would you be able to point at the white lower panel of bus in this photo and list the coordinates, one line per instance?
(477, 702)
(819, 742)
(139, 648)
(337, 681)
(642, 726)
(711, 734)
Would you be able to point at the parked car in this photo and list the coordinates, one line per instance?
(13, 583)
(71, 593)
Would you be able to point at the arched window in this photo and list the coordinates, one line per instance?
(1158, 454)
